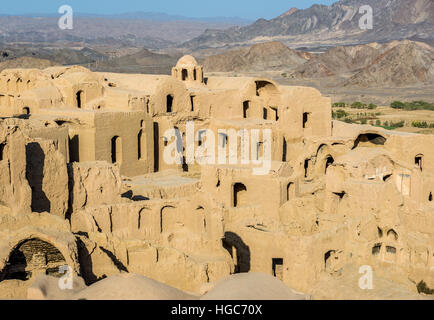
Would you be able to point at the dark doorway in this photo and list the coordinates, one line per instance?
(35, 163)
(156, 147)
(329, 162)
(277, 268)
(79, 97)
(169, 104)
(240, 191)
(192, 102)
(184, 74)
(418, 161)
(306, 117)
(116, 149)
(2, 148)
(139, 145)
(246, 105)
(238, 250)
(74, 149)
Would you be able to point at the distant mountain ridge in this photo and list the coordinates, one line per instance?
(141, 15)
(338, 23)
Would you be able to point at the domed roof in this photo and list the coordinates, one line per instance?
(187, 61)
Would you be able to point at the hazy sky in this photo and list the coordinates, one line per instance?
(251, 9)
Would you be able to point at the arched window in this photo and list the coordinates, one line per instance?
(289, 191)
(240, 191)
(329, 162)
(116, 153)
(79, 98)
(246, 105)
(184, 74)
(169, 104)
(192, 102)
(418, 161)
(139, 144)
(194, 74)
(26, 110)
(306, 118)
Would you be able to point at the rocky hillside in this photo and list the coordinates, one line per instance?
(398, 63)
(338, 23)
(260, 57)
(402, 64)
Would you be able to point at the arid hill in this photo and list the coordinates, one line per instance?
(143, 61)
(63, 56)
(398, 63)
(26, 62)
(265, 56)
(406, 63)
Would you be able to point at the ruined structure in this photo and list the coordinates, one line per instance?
(85, 182)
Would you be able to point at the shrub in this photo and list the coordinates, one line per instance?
(358, 105)
(372, 106)
(341, 114)
(397, 105)
(418, 124)
(339, 105)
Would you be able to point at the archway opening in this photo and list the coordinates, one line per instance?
(169, 103)
(32, 257)
(246, 105)
(139, 145)
(116, 149)
(79, 98)
(329, 162)
(289, 191)
(184, 74)
(239, 194)
(26, 111)
(418, 161)
(369, 140)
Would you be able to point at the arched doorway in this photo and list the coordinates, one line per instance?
(116, 149)
(79, 98)
(169, 103)
(32, 257)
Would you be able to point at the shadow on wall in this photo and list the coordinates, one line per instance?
(238, 250)
(85, 260)
(35, 161)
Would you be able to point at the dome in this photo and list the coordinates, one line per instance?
(186, 61)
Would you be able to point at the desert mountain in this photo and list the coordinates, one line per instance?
(338, 23)
(406, 63)
(398, 63)
(138, 30)
(259, 57)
